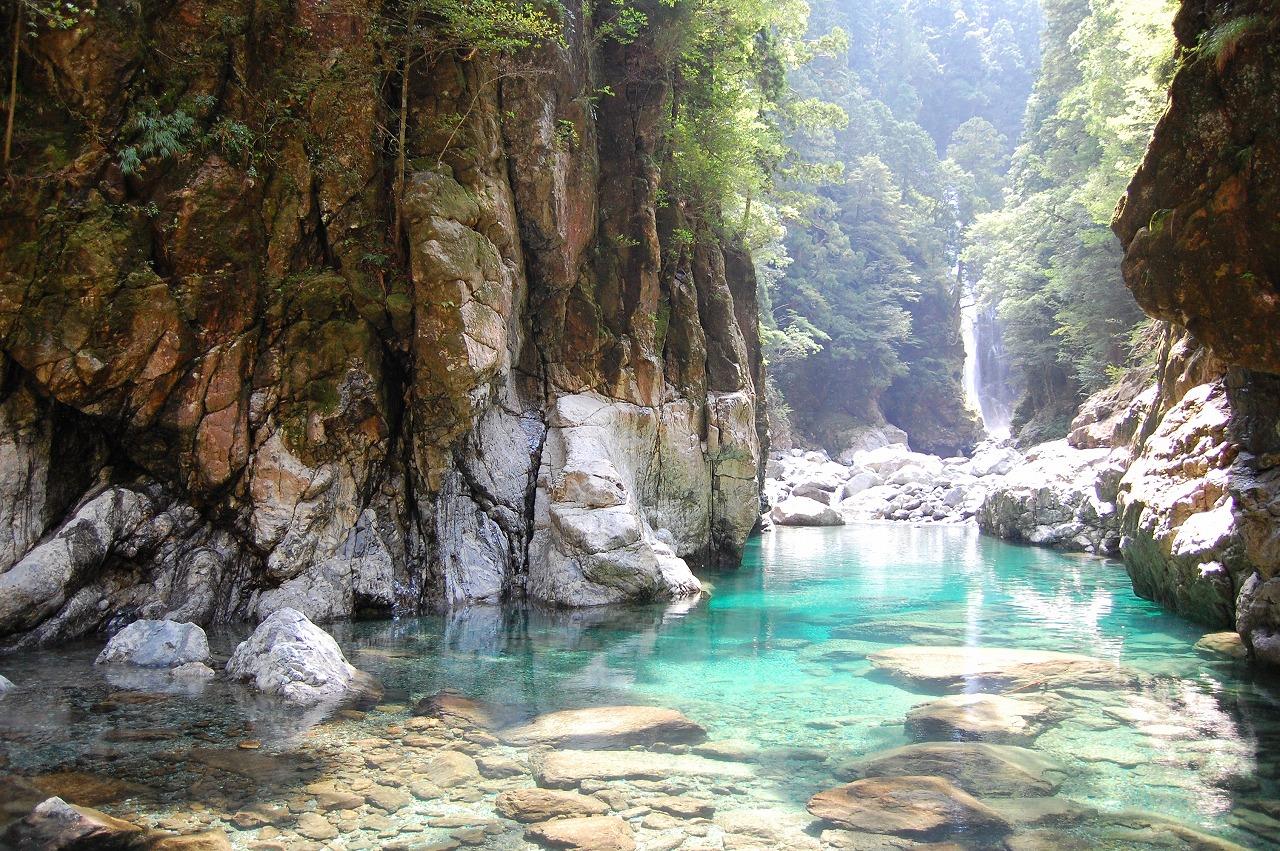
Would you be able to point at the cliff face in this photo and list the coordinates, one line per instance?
(1201, 229)
(230, 385)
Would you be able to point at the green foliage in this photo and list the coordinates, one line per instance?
(1048, 259)
(54, 14)
(156, 135)
(1219, 43)
(875, 217)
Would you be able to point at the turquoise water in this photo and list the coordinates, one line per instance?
(775, 660)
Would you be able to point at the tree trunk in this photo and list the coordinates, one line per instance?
(13, 81)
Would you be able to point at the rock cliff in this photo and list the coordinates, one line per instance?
(257, 370)
(1202, 251)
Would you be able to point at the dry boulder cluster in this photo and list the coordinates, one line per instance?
(1053, 494)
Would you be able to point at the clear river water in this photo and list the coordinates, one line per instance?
(773, 665)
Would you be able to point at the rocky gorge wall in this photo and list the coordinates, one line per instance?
(230, 385)
(1200, 224)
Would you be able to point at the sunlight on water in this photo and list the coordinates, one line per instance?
(775, 658)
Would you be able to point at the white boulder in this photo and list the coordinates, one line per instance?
(6, 685)
(290, 657)
(802, 511)
(156, 644)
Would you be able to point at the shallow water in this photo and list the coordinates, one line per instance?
(774, 659)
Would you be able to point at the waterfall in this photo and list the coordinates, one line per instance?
(986, 367)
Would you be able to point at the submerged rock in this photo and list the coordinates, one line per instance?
(606, 727)
(6, 685)
(1226, 645)
(997, 668)
(156, 644)
(592, 833)
(55, 824)
(290, 657)
(918, 807)
(566, 769)
(979, 718)
(977, 767)
(533, 805)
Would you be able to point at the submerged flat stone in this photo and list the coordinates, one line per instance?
(568, 768)
(911, 806)
(537, 805)
(593, 833)
(997, 668)
(606, 727)
(80, 788)
(977, 767)
(979, 718)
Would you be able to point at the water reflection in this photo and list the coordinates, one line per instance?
(775, 658)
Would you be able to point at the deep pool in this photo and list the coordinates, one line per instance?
(773, 661)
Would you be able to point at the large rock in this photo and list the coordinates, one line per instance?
(290, 657)
(156, 644)
(532, 805)
(979, 718)
(802, 511)
(55, 824)
(591, 833)
(982, 769)
(566, 769)
(917, 807)
(997, 668)
(308, 409)
(1059, 497)
(1182, 544)
(606, 727)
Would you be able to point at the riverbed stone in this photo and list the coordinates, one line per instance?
(568, 768)
(606, 727)
(977, 767)
(590, 833)
(156, 644)
(448, 769)
(913, 806)
(760, 828)
(956, 668)
(317, 827)
(537, 805)
(81, 788)
(289, 657)
(682, 806)
(331, 795)
(55, 824)
(1226, 645)
(979, 718)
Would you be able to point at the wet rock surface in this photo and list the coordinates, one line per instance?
(156, 644)
(324, 399)
(290, 657)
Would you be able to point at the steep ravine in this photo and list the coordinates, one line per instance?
(1202, 251)
(229, 387)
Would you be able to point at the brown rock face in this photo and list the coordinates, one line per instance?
(1199, 221)
(1202, 250)
(228, 385)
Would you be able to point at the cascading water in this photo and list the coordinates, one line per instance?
(986, 368)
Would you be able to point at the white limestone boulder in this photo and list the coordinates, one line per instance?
(156, 644)
(289, 657)
(802, 511)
